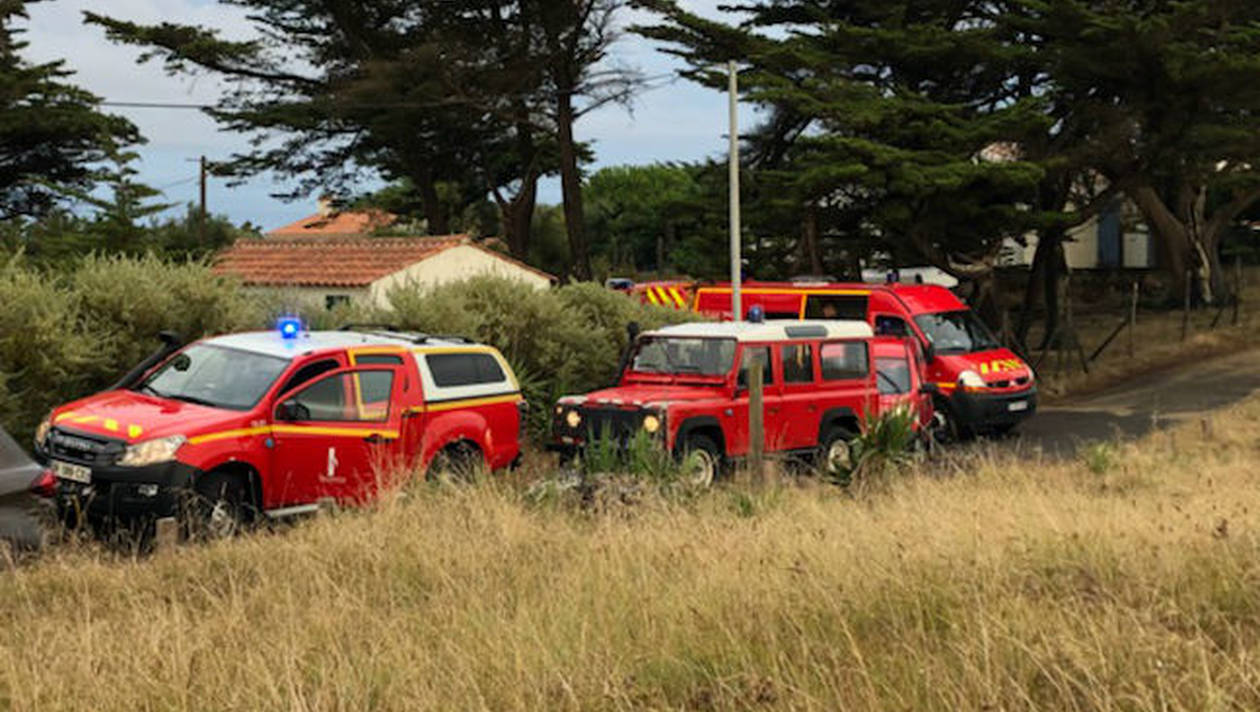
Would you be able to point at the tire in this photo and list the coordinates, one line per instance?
(947, 429)
(700, 462)
(835, 455)
(457, 462)
(220, 508)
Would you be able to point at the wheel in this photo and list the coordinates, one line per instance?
(835, 454)
(701, 461)
(457, 462)
(946, 426)
(220, 508)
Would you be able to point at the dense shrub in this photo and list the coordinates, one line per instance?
(65, 335)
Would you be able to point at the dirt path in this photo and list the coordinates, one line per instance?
(1135, 407)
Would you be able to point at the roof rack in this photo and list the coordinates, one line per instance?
(362, 326)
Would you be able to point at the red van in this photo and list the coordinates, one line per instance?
(984, 387)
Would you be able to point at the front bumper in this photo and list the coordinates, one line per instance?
(987, 411)
(154, 491)
(621, 426)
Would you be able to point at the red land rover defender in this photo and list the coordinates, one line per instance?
(275, 422)
(984, 386)
(687, 386)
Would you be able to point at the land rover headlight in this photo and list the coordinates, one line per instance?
(152, 452)
(41, 433)
(574, 419)
(651, 423)
(970, 380)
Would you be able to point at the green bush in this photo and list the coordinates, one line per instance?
(67, 335)
(64, 335)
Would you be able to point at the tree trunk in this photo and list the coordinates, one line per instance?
(435, 212)
(1188, 241)
(518, 216)
(1036, 277)
(809, 240)
(571, 185)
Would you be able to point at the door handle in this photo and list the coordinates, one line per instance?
(374, 439)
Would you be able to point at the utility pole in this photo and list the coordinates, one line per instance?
(201, 222)
(737, 313)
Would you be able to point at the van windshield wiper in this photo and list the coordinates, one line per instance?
(192, 399)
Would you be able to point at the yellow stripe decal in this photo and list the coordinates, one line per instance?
(678, 297)
(111, 425)
(473, 402)
(651, 296)
(134, 431)
(292, 430)
(226, 434)
(66, 415)
(470, 349)
(946, 384)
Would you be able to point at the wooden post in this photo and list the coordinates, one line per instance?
(756, 420)
(1185, 312)
(1133, 318)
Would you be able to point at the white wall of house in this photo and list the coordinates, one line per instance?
(1081, 248)
(452, 265)
(309, 298)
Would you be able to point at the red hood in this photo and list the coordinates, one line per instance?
(133, 417)
(640, 394)
(995, 365)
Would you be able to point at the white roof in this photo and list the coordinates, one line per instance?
(270, 343)
(778, 330)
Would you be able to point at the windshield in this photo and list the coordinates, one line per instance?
(957, 332)
(215, 376)
(701, 357)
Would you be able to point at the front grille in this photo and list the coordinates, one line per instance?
(84, 449)
(617, 424)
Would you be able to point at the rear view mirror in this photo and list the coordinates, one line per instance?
(292, 411)
(181, 363)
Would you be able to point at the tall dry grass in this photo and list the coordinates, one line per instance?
(1127, 580)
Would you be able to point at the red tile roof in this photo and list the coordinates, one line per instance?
(327, 262)
(343, 224)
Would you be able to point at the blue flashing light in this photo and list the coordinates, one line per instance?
(756, 314)
(290, 327)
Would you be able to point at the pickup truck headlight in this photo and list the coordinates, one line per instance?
(41, 433)
(970, 380)
(651, 423)
(152, 452)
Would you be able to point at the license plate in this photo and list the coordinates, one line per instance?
(1017, 406)
(72, 472)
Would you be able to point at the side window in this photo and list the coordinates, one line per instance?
(309, 372)
(378, 360)
(328, 400)
(891, 326)
(844, 360)
(767, 370)
(798, 363)
(466, 369)
(835, 307)
(893, 375)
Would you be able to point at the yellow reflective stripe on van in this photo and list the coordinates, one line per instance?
(678, 297)
(227, 434)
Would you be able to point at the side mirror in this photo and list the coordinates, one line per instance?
(929, 353)
(929, 389)
(292, 411)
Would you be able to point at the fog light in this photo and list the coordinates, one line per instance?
(574, 419)
(651, 423)
(147, 490)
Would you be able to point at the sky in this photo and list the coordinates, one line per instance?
(676, 121)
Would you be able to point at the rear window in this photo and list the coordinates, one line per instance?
(450, 370)
(844, 361)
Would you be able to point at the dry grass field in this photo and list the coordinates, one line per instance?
(1128, 580)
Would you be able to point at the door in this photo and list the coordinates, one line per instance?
(336, 436)
(895, 381)
(796, 426)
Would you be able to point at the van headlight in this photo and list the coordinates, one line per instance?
(970, 380)
(574, 419)
(651, 423)
(152, 452)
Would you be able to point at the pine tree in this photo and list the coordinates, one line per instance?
(51, 132)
